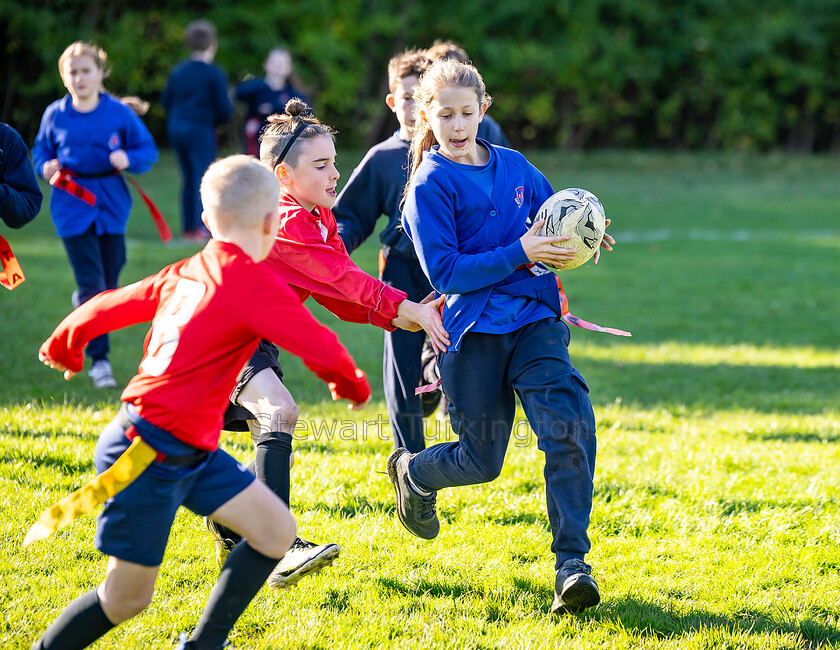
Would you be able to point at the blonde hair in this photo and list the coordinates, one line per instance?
(239, 190)
(443, 73)
(100, 59)
(281, 130)
(84, 48)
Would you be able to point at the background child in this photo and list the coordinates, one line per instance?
(309, 255)
(20, 196)
(375, 188)
(89, 136)
(196, 100)
(267, 96)
(467, 209)
(489, 129)
(199, 341)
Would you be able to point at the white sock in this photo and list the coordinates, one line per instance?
(414, 487)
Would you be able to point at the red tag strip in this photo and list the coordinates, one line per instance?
(157, 217)
(569, 317)
(12, 274)
(63, 180)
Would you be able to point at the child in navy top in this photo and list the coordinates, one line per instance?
(375, 188)
(86, 139)
(267, 96)
(20, 196)
(468, 208)
(196, 101)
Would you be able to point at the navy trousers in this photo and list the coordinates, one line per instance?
(195, 146)
(480, 381)
(401, 368)
(96, 261)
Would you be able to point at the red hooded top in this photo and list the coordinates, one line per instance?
(310, 257)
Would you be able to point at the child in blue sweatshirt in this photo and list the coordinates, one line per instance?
(86, 139)
(469, 209)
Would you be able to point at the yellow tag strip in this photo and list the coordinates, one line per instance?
(131, 463)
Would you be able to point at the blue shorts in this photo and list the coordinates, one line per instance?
(135, 524)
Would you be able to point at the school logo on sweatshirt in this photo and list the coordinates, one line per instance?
(114, 141)
(520, 196)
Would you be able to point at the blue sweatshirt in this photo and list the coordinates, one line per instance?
(82, 143)
(20, 196)
(197, 92)
(468, 243)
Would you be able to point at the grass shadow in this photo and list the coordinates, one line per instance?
(675, 386)
(795, 437)
(649, 619)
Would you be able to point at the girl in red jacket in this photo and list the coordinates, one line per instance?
(310, 257)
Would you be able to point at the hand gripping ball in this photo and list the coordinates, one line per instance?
(578, 214)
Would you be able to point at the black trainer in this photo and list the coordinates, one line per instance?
(574, 588)
(416, 511)
(223, 545)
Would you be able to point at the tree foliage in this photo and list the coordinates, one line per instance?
(732, 74)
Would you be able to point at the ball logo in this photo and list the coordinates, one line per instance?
(114, 142)
(520, 196)
(586, 229)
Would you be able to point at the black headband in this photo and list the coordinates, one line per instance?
(300, 129)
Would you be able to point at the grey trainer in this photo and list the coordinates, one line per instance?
(574, 587)
(416, 511)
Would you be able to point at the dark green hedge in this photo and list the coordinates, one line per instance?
(733, 74)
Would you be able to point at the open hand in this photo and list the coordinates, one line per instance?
(55, 365)
(425, 315)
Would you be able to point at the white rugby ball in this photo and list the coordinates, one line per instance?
(578, 214)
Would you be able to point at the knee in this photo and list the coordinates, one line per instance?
(125, 606)
(276, 535)
(279, 415)
(485, 473)
(482, 470)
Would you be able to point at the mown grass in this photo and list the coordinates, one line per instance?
(716, 521)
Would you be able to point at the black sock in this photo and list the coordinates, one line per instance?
(81, 623)
(274, 451)
(271, 466)
(244, 572)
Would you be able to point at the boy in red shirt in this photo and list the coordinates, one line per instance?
(199, 341)
(309, 255)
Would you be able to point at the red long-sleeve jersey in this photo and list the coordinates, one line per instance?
(310, 256)
(209, 312)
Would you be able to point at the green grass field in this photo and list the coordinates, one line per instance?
(716, 521)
